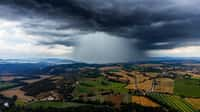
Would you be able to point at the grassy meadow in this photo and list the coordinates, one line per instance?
(99, 85)
(187, 87)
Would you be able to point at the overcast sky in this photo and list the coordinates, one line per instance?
(99, 30)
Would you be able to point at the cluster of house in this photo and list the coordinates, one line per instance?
(5, 103)
(50, 96)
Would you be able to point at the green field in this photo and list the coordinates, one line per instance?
(20, 103)
(99, 85)
(6, 85)
(187, 87)
(36, 105)
(173, 102)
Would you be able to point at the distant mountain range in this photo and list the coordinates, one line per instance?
(34, 61)
(56, 65)
(58, 61)
(30, 66)
(175, 59)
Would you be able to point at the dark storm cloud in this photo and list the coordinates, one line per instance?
(148, 21)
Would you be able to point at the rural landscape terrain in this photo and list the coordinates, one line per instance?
(151, 86)
(99, 55)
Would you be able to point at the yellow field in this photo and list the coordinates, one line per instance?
(166, 85)
(109, 68)
(142, 81)
(150, 65)
(151, 75)
(146, 86)
(144, 101)
(131, 87)
(195, 102)
(115, 99)
(42, 77)
(18, 92)
(196, 76)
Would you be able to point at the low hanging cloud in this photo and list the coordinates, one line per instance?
(16, 43)
(155, 24)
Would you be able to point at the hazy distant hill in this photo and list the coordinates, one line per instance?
(29, 66)
(45, 61)
(57, 66)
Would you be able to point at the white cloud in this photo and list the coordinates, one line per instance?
(15, 42)
(191, 6)
(189, 51)
(161, 43)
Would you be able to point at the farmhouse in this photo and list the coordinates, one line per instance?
(5, 102)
